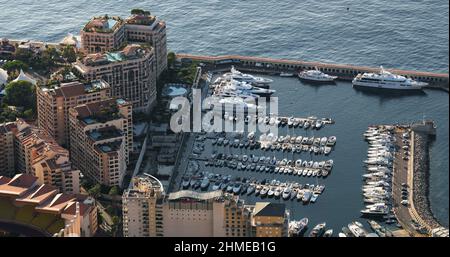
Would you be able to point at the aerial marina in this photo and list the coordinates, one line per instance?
(131, 126)
(256, 165)
(235, 162)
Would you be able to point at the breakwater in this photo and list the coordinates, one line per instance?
(420, 178)
(343, 71)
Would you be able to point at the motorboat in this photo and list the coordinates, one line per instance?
(264, 191)
(250, 189)
(318, 230)
(328, 233)
(277, 192)
(286, 193)
(357, 230)
(331, 141)
(271, 192)
(185, 182)
(237, 188)
(239, 76)
(316, 76)
(230, 188)
(314, 198)
(216, 185)
(306, 196)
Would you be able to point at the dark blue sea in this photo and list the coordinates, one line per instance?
(402, 34)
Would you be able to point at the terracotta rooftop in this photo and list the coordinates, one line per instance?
(90, 109)
(38, 194)
(18, 185)
(72, 206)
(56, 204)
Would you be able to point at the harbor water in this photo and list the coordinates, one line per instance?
(353, 111)
(400, 34)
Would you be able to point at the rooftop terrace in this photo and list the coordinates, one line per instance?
(129, 52)
(75, 88)
(103, 24)
(99, 112)
(104, 133)
(109, 147)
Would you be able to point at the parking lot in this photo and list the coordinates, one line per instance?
(400, 184)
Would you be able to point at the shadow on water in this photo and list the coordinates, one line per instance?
(385, 95)
(317, 84)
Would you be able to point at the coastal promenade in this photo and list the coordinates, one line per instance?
(343, 71)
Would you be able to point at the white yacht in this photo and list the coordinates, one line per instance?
(385, 79)
(247, 87)
(316, 75)
(239, 76)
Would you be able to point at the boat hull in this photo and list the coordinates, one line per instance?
(317, 81)
(387, 86)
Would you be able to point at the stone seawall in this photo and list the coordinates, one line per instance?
(421, 176)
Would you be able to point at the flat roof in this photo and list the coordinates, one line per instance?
(269, 209)
(194, 195)
(104, 133)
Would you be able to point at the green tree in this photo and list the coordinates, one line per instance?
(113, 191)
(115, 226)
(69, 54)
(24, 55)
(6, 114)
(15, 65)
(171, 57)
(95, 191)
(20, 93)
(47, 59)
(138, 11)
(28, 114)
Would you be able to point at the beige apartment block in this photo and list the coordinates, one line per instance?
(149, 29)
(108, 34)
(141, 208)
(102, 34)
(130, 72)
(148, 211)
(54, 102)
(101, 136)
(7, 131)
(38, 154)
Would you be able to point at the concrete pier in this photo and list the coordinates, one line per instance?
(343, 71)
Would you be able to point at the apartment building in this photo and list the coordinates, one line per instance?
(7, 131)
(142, 209)
(130, 73)
(38, 154)
(54, 102)
(148, 211)
(102, 34)
(106, 34)
(270, 220)
(53, 167)
(101, 136)
(145, 28)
